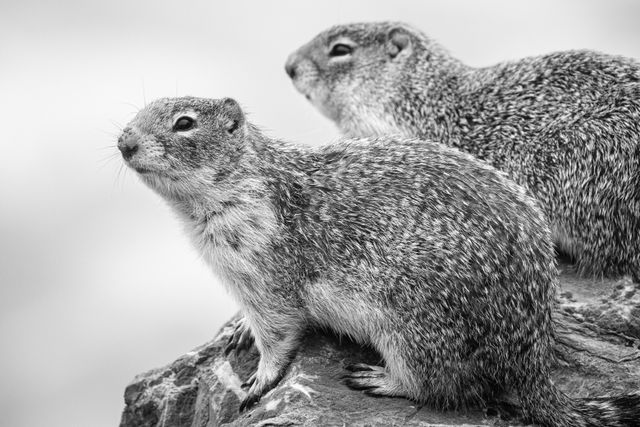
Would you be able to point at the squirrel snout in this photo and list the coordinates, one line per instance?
(290, 66)
(128, 144)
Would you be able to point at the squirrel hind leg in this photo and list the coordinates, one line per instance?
(373, 380)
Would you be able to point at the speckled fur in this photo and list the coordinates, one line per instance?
(432, 257)
(566, 126)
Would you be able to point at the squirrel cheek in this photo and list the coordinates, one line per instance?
(306, 77)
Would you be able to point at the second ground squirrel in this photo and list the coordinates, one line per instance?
(566, 126)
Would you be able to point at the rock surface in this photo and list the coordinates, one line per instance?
(598, 348)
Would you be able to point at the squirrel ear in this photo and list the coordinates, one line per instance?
(397, 40)
(232, 115)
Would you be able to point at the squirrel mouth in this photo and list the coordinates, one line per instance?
(144, 171)
(142, 167)
(155, 173)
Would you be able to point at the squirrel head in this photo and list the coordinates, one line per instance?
(354, 64)
(365, 76)
(174, 143)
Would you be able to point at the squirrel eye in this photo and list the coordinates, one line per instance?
(184, 123)
(340, 49)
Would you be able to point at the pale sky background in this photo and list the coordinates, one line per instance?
(97, 281)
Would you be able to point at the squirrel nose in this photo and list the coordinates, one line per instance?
(127, 144)
(291, 70)
(290, 67)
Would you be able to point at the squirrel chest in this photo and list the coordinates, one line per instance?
(231, 240)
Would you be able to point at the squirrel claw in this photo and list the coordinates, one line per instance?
(228, 349)
(248, 402)
(372, 380)
(257, 390)
(241, 338)
(356, 367)
(249, 382)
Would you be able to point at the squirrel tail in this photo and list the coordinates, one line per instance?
(548, 406)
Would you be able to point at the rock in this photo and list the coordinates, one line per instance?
(598, 348)
(609, 304)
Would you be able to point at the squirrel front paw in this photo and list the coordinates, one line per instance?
(241, 338)
(277, 348)
(258, 385)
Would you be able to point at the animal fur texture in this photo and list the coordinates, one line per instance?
(434, 258)
(566, 126)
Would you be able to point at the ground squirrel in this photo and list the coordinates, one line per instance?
(434, 258)
(566, 126)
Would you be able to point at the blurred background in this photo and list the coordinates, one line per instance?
(97, 281)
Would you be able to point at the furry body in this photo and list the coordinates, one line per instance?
(566, 126)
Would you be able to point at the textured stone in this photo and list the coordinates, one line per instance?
(598, 349)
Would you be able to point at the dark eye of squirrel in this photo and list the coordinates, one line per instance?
(340, 49)
(184, 123)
